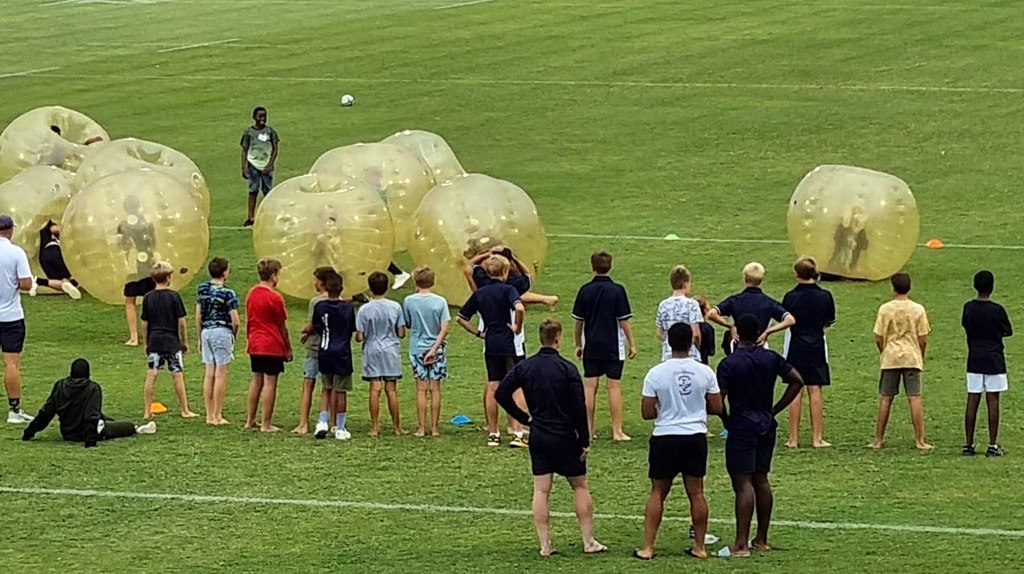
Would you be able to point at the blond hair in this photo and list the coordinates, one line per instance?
(496, 266)
(550, 330)
(679, 277)
(161, 272)
(753, 273)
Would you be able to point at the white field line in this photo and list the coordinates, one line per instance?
(699, 239)
(201, 45)
(442, 509)
(461, 4)
(28, 72)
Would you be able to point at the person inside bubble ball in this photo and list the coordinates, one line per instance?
(851, 239)
(136, 238)
(51, 260)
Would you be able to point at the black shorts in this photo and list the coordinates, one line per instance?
(551, 454)
(594, 368)
(498, 367)
(814, 376)
(264, 365)
(139, 288)
(12, 336)
(747, 453)
(52, 262)
(672, 455)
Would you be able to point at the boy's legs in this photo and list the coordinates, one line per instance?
(971, 417)
(421, 407)
(131, 316)
(512, 425)
(253, 399)
(391, 390)
(117, 429)
(531, 298)
(912, 383)
(743, 486)
(269, 400)
(615, 407)
(888, 388)
(435, 408)
(653, 513)
(491, 407)
(220, 391)
(376, 386)
(147, 392)
(992, 401)
(816, 398)
(340, 408)
(590, 385)
(305, 405)
(795, 409)
(542, 512)
(179, 389)
(698, 513)
(765, 501)
(584, 506)
(209, 376)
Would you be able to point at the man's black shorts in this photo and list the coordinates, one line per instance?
(748, 453)
(12, 336)
(559, 455)
(672, 455)
(498, 366)
(264, 365)
(594, 368)
(139, 288)
(814, 376)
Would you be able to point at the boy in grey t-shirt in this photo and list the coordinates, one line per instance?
(311, 364)
(380, 324)
(259, 153)
(428, 320)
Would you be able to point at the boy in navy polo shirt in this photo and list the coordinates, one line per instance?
(494, 302)
(751, 300)
(747, 381)
(602, 334)
(805, 347)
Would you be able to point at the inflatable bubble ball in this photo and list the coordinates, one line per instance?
(464, 216)
(434, 151)
(396, 173)
(857, 223)
(130, 153)
(118, 226)
(33, 198)
(33, 139)
(324, 220)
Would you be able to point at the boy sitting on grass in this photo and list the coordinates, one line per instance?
(164, 331)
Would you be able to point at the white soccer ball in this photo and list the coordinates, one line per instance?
(347, 100)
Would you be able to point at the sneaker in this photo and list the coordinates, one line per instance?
(994, 451)
(33, 290)
(968, 450)
(248, 223)
(517, 442)
(148, 428)
(19, 417)
(342, 434)
(321, 430)
(710, 539)
(70, 290)
(493, 440)
(400, 280)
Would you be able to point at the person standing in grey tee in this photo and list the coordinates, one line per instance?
(259, 153)
(380, 326)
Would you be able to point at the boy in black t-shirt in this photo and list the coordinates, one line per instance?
(164, 331)
(986, 324)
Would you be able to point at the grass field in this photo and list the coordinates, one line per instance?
(621, 118)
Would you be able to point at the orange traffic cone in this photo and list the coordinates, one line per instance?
(158, 408)
(934, 243)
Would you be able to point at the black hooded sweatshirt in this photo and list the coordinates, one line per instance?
(78, 402)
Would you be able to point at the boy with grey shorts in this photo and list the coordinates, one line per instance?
(380, 326)
(311, 364)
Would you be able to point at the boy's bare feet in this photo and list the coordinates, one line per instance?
(188, 415)
(792, 444)
(300, 430)
(147, 416)
(435, 432)
(420, 433)
(622, 437)
(131, 343)
(399, 432)
(877, 445)
(249, 426)
(822, 444)
(270, 429)
(924, 446)
(762, 546)
(223, 422)
(374, 433)
(551, 302)
(595, 548)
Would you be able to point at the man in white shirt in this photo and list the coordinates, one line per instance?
(678, 395)
(15, 276)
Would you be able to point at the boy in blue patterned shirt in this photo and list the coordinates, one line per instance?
(217, 323)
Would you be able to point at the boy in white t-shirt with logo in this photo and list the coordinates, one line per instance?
(678, 395)
(678, 308)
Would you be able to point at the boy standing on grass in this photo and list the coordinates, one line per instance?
(335, 322)
(269, 347)
(166, 336)
(707, 332)
(494, 301)
(217, 323)
(752, 300)
(986, 324)
(380, 326)
(311, 365)
(602, 334)
(679, 308)
(428, 319)
(259, 153)
(901, 335)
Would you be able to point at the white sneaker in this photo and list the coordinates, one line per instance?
(34, 289)
(71, 290)
(321, 430)
(148, 428)
(710, 539)
(19, 417)
(342, 434)
(400, 280)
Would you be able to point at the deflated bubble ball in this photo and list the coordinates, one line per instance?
(434, 151)
(320, 219)
(857, 223)
(32, 198)
(30, 140)
(130, 153)
(462, 217)
(118, 226)
(394, 172)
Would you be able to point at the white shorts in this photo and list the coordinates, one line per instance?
(977, 384)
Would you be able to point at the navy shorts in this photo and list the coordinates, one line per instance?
(259, 182)
(12, 336)
(749, 453)
(672, 455)
(136, 289)
(814, 376)
(498, 367)
(552, 454)
(594, 368)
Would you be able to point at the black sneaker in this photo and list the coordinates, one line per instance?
(994, 450)
(248, 223)
(968, 450)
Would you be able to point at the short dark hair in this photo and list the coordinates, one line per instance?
(550, 329)
(378, 283)
(806, 268)
(900, 283)
(257, 110)
(323, 272)
(334, 285)
(748, 328)
(680, 337)
(267, 268)
(423, 277)
(218, 267)
(984, 282)
(601, 262)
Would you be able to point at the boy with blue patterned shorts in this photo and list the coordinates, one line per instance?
(428, 319)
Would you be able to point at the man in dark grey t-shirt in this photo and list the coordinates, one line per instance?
(259, 153)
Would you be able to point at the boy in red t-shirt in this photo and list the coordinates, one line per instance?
(269, 345)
